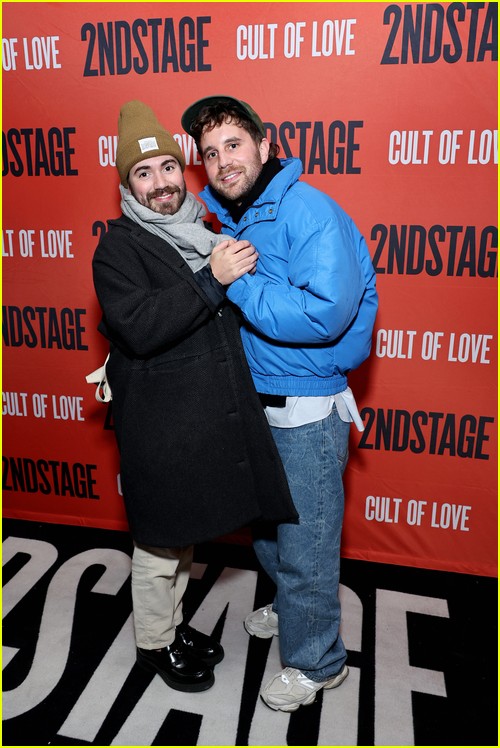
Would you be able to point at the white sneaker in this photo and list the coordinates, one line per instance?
(262, 623)
(290, 689)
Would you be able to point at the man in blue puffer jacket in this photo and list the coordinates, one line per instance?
(309, 312)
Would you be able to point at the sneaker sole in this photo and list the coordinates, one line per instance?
(337, 680)
(290, 707)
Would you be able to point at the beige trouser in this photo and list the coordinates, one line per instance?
(159, 580)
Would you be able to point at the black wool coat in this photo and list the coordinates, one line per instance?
(197, 456)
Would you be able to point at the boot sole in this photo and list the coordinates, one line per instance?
(185, 687)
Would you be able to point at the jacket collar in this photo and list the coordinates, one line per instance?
(266, 206)
(269, 171)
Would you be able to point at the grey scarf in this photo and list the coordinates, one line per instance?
(184, 230)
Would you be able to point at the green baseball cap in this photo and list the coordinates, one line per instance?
(193, 111)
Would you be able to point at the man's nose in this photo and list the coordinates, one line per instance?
(160, 180)
(225, 159)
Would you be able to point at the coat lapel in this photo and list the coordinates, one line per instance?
(161, 250)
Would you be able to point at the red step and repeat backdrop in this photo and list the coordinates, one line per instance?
(392, 108)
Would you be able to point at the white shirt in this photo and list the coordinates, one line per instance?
(301, 410)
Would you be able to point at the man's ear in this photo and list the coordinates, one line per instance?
(264, 150)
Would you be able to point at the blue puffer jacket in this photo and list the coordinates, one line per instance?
(311, 305)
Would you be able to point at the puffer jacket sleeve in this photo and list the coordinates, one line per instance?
(354, 347)
(321, 294)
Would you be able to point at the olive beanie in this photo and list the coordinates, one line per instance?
(140, 136)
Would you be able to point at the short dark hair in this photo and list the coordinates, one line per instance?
(216, 114)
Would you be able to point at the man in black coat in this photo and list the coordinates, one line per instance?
(197, 456)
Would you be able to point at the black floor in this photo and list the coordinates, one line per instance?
(422, 650)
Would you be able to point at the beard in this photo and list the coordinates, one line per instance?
(247, 176)
(166, 208)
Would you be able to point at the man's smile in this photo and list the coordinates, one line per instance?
(230, 177)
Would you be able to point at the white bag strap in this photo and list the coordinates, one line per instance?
(103, 392)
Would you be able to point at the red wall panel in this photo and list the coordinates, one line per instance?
(393, 110)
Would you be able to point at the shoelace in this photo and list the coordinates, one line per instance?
(287, 674)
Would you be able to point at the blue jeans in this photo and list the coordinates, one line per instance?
(303, 559)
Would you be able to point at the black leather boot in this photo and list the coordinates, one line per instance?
(177, 666)
(203, 647)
